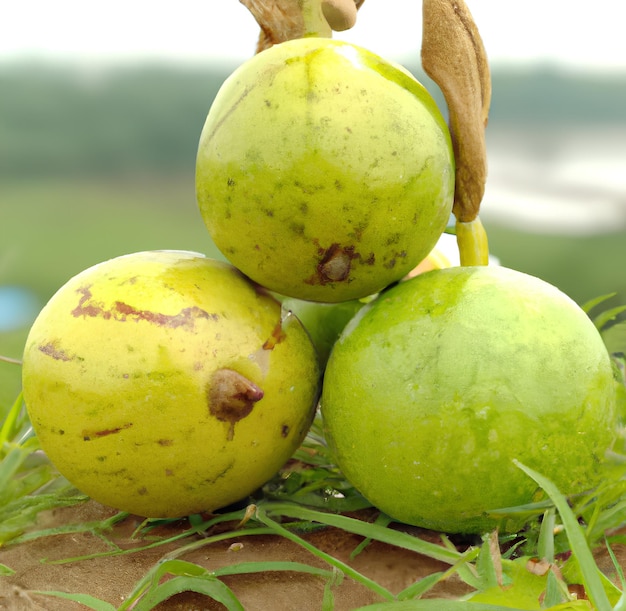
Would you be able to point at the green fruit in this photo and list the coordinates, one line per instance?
(323, 321)
(324, 172)
(165, 383)
(436, 386)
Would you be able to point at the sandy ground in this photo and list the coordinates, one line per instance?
(112, 578)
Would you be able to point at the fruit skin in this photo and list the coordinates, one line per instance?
(435, 387)
(324, 172)
(165, 383)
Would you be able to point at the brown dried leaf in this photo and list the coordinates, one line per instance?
(454, 57)
(538, 567)
(496, 557)
(279, 20)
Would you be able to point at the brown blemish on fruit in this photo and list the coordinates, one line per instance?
(371, 259)
(231, 397)
(335, 264)
(221, 474)
(297, 228)
(142, 491)
(89, 435)
(392, 262)
(278, 335)
(284, 430)
(124, 312)
(165, 442)
(51, 349)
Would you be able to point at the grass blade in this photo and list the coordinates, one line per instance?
(365, 529)
(467, 572)
(576, 537)
(422, 586)
(328, 600)
(621, 603)
(592, 303)
(489, 563)
(554, 594)
(6, 570)
(433, 605)
(205, 584)
(10, 425)
(382, 520)
(602, 319)
(426, 584)
(84, 599)
(335, 562)
(545, 545)
(244, 568)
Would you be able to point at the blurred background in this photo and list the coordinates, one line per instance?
(101, 108)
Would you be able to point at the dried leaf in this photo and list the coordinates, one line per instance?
(454, 57)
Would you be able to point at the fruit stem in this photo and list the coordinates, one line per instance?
(471, 239)
(315, 24)
(282, 20)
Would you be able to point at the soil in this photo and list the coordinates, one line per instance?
(112, 578)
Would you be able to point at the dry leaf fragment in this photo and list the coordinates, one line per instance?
(496, 557)
(454, 57)
(279, 20)
(538, 566)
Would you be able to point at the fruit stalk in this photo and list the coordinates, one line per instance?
(282, 20)
(315, 23)
(453, 55)
(472, 241)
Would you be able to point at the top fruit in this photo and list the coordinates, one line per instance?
(324, 172)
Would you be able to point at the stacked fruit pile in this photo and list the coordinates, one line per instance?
(165, 383)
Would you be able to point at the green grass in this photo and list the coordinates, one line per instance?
(494, 569)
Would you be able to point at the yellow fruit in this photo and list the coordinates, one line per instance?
(165, 383)
(324, 172)
(437, 385)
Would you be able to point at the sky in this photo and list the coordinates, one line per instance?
(571, 34)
